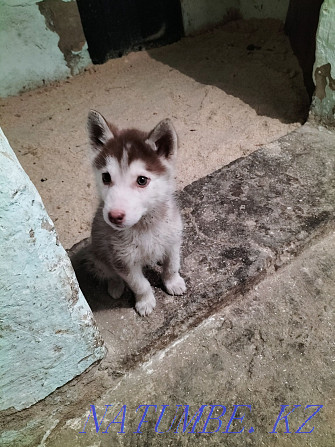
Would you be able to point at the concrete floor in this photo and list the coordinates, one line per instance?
(271, 347)
(256, 326)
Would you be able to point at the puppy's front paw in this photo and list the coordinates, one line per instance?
(115, 288)
(145, 304)
(175, 285)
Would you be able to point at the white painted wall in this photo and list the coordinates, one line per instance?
(262, 9)
(202, 14)
(29, 53)
(48, 334)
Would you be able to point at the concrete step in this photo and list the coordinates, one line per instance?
(266, 354)
(241, 223)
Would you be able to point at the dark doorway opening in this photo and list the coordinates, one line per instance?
(301, 25)
(114, 27)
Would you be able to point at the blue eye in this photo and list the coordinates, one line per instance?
(106, 178)
(142, 181)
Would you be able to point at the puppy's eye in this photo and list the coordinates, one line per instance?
(106, 178)
(142, 181)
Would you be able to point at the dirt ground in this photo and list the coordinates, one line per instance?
(227, 91)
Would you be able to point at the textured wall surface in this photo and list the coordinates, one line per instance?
(48, 335)
(323, 106)
(201, 14)
(39, 43)
(43, 40)
(261, 9)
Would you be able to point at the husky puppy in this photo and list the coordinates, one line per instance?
(137, 222)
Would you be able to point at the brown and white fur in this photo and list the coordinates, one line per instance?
(137, 222)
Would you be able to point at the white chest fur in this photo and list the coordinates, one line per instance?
(148, 244)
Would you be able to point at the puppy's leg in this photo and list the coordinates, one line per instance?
(104, 271)
(115, 286)
(173, 282)
(145, 299)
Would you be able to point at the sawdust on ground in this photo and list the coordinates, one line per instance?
(227, 91)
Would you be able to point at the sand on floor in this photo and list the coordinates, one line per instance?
(227, 91)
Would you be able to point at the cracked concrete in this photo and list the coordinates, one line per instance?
(263, 350)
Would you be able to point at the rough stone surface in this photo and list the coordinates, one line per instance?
(63, 18)
(323, 106)
(48, 335)
(271, 347)
(255, 328)
(32, 53)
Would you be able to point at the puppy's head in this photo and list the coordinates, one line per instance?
(134, 169)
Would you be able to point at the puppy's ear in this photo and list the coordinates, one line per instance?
(163, 139)
(99, 130)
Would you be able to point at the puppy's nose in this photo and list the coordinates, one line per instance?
(116, 216)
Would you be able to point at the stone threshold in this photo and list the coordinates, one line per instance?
(241, 223)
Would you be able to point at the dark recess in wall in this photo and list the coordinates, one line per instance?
(301, 24)
(113, 28)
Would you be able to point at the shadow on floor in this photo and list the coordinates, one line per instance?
(95, 290)
(249, 59)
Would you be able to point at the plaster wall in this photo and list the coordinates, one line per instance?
(40, 41)
(48, 334)
(43, 40)
(323, 105)
(201, 14)
(261, 9)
